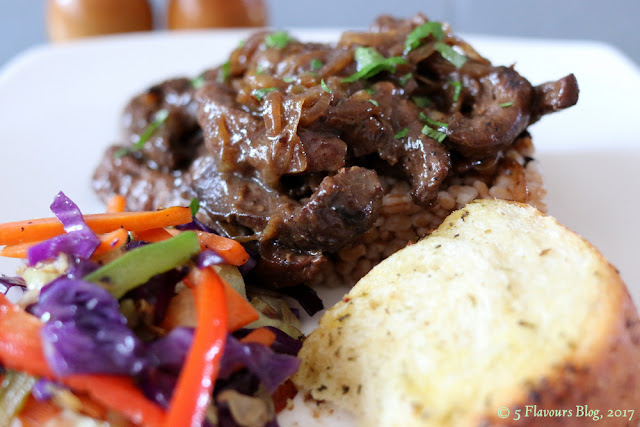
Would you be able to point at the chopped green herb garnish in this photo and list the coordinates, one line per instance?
(457, 88)
(158, 120)
(370, 62)
(121, 152)
(374, 102)
(259, 94)
(448, 53)
(434, 134)
(194, 206)
(401, 134)
(316, 64)
(288, 79)
(506, 104)
(224, 72)
(277, 39)
(405, 79)
(430, 121)
(324, 87)
(241, 43)
(370, 91)
(425, 30)
(421, 101)
(198, 82)
(259, 69)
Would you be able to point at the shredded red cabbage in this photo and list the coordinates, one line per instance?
(134, 244)
(80, 268)
(165, 358)
(250, 264)
(85, 331)
(295, 311)
(209, 257)
(8, 282)
(43, 389)
(306, 297)
(284, 343)
(158, 291)
(196, 224)
(270, 367)
(78, 242)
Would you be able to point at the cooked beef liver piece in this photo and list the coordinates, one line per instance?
(286, 152)
(173, 145)
(344, 207)
(144, 188)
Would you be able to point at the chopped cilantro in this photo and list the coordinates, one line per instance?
(374, 102)
(224, 72)
(401, 134)
(370, 91)
(405, 79)
(158, 120)
(277, 39)
(421, 101)
(434, 134)
(506, 104)
(457, 88)
(198, 82)
(325, 87)
(316, 64)
(121, 152)
(430, 121)
(259, 69)
(288, 79)
(425, 30)
(194, 206)
(448, 53)
(370, 62)
(259, 94)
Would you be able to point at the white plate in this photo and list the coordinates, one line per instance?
(59, 109)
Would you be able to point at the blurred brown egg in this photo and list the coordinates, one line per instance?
(70, 19)
(187, 14)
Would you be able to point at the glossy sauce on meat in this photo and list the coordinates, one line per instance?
(285, 144)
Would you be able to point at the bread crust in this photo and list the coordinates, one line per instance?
(606, 380)
(601, 372)
(610, 380)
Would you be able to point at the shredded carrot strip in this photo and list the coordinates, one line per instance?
(108, 242)
(260, 335)
(154, 235)
(111, 241)
(120, 394)
(21, 350)
(240, 312)
(12, 233)
(230, 250)
(192, 394)
(36, 413)
(116, 203)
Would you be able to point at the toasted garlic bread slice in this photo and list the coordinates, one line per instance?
(501, 307)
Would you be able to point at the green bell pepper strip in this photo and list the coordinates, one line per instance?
(136, 267)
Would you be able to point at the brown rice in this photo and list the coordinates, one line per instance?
(517, 177)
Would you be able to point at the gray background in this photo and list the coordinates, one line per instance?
(22, 22)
